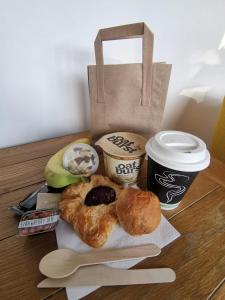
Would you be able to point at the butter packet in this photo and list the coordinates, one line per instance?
(38, 221)
(48, 201)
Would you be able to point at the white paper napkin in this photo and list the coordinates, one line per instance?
(66, 238)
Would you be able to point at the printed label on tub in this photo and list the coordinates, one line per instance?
(38, 222)
(123, 144)
(122, 171)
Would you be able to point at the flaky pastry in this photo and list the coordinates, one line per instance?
(138, 211)
(94, 223)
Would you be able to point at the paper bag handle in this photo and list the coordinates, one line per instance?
(138, 30)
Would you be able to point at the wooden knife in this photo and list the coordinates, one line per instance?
(101, 275)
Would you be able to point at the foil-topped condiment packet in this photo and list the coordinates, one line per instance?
(38, 221)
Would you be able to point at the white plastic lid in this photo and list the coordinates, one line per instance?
(178, 150)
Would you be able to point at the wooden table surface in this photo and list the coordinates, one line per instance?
(198, 256)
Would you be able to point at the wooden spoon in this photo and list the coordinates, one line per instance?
(63, 262)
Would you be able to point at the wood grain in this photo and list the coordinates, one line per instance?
(9, 222)
(58, 295)
(22, 174)
(197, 256)
(201, 186)
(25, 173)
(219, 293)
(216, 171)
(19, 269)
(18, 154)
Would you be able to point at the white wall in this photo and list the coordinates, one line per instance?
(45, 47)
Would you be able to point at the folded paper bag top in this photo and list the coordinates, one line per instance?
(123, 154)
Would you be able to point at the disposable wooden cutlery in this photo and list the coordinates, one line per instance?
(63, 262)
(105, 276)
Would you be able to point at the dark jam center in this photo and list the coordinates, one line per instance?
(100, 195)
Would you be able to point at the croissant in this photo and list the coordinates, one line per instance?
(138, 211)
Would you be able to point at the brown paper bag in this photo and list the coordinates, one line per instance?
(127, 97)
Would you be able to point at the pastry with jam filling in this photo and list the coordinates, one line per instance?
(91, 209)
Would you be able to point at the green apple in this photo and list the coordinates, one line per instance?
(55, 175)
